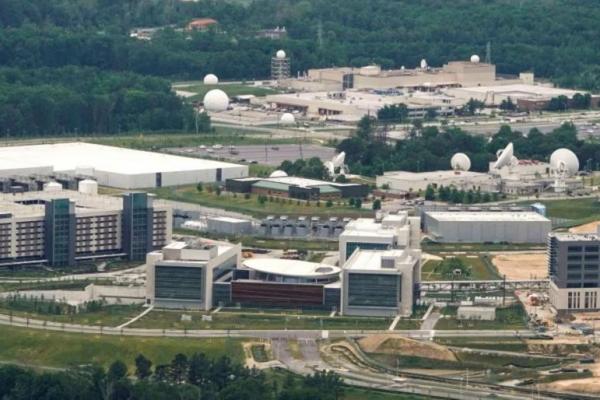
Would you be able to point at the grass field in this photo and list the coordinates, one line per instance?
(575, 208)
(154, 141)
(480, 269)
(248, 321)
(512, 317)
(232, 89)
(55, 349)
(238, 203)
(432, 247)
(111, 316)
(267, 243)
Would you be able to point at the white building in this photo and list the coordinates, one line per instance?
(115, 166)
(484, 227)
(182, 274)
(392, 231)
(380, 283)
(405, 181)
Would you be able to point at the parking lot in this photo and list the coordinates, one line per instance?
(262, 154)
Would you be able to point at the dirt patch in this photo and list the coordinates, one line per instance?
(584, 385)
(390, 344)
(522, 266)
(591, 227)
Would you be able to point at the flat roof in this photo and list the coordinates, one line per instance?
(571, 237)
(486, 216)
(371, 259)
(433, 175)
(522, 90)
(73, 156)
(291, 268)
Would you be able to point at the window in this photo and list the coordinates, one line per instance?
(574, 248)
(373, 290)
(351, 246)
(183, 283)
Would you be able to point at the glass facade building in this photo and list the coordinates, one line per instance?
(137, 225)
(180, 283)
(59, 228)
(373, 290)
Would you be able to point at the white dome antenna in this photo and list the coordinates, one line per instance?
(460, 162)
(211, 79)
(216, 100)
(475, 59)
(423, 64)
(280, 54)
(287, 119)
(563, 164)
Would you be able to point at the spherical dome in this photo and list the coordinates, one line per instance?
(423, 64)
(460, 162)
(211, 79)
(564, 161)
(278, 174)
(280, 54)
(216, 100)
(287, 119)
(475, 58)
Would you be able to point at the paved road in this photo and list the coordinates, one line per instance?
(430, 321)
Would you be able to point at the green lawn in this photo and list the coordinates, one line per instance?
(233, 89)
(111, 316)
(238, 203)
(433, 247)
(481, 269)
(354, 393)
(575, 208)
(36, 347)
(154, 141)
(507, 318)
(248, 321)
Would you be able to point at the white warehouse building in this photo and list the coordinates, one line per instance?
(115, 166)
(486, 227)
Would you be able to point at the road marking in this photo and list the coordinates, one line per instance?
(394, 323)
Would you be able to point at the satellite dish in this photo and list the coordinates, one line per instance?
(423, 64)
(504, 156)
(564, 162)
(338, 160)
(278, 174)
(287, 119)
(460, 162)
(211, 79)
(330, 167)
(216, 100)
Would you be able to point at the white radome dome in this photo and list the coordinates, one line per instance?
(211, 79)
(460, 162)
(423, 64)
(216, 100)
(278, 174)
(564, 161)
(280, 54)
(287, 119)
(475, 59)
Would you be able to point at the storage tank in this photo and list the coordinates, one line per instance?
(52, 187)
(88, 186)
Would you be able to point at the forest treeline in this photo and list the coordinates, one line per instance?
(431, 148)
(194, 377)
(556, 39)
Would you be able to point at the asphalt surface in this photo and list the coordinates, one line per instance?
(268, 154)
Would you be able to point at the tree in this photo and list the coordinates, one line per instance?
(508, 105)
(143, 367)
(200, 187)
(429, 193)
(453, 266)
(377, 204)
(393, 113)
(357, 203)
(559, 103)
(117, 371)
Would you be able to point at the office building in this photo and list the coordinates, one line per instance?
(574, 268)
(114, 166)
(486, 226)
(385, 232)
(60, 228)
(182, 274)
(380, 283)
